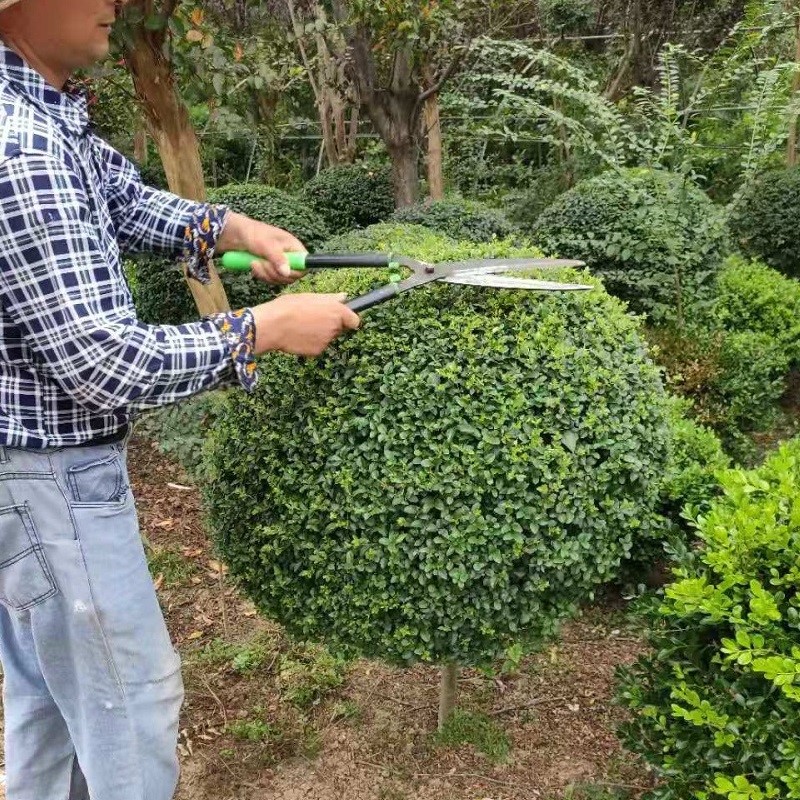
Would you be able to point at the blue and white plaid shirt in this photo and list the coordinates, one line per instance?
(75, 362)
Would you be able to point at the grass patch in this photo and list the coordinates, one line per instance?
(307, 673)
(465, 727)
(244, 658)
(173, 566)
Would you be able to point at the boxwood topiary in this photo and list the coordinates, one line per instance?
(352, 196)
(654, 237)
(752, 296)
(716, 702)
(275, 207)
(451, 478)
(764, 223)
(461, 219)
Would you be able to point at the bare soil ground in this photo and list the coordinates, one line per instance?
(266, 719)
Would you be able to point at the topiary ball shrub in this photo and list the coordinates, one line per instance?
(351, 196)
(275, 207)
(448, 480)
(764, 223)
(752, 296)
(715, 702)
(461, 219)
(654, 237)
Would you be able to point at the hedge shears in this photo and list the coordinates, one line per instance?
(487, 272)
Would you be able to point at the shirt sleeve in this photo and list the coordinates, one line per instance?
(145, 219)
(57, 286)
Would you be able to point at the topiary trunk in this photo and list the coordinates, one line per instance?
(447, 692)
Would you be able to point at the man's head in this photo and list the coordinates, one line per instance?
(58, 36)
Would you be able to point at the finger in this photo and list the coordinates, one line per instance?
(351, 320)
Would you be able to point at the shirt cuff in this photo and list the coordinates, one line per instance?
(200, 240)
(238, 329)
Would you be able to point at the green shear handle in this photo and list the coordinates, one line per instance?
(237, 261)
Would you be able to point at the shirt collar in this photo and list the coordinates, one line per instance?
(68, 108)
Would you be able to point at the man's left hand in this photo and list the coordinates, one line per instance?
(267, 242)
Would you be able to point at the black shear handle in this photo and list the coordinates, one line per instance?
(324, 261)
(373, 298)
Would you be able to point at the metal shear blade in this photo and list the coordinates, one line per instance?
(499, 282)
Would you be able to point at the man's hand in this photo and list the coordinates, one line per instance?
(302, 324)
(266, 241)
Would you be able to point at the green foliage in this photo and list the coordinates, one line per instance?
(485, 735)
(275, 207)
(765, 221)
(350, 197)
(307, 673)
(544, 187)
(696, 461)
(733, 379)
(715, 702)
(560, 17)
(654, 237)
(754, 297)
(451, 479)
(462, 219)
(181, 429)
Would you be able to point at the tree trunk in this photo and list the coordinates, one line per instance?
(169, 125)
(140, 145)
(405, 173)
(791, 153)
(447, 693)
(433, 129)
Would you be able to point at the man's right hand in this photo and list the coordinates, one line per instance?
(302, 324)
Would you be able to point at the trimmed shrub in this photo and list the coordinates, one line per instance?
(654, 237)
(462, 219)
(752, 296)
(275, 207)
(350, 197)
(450, 479)
(716, 701)
(764, 223)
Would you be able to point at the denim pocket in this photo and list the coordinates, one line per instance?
(25, 578)
(98, 482)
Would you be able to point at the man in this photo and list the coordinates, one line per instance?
(92, 685)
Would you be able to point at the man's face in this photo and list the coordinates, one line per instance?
(69, 33)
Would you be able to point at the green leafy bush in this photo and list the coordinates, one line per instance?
(654, 237)
(765, 221)
(461, 219)
(696, 462)
(449, 480)
(716, 701)
(350, 197)
(752, 296)
(523, 208)
(275, 207)
(734, 380)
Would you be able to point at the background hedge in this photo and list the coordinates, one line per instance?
(764, 223)
(654, 237)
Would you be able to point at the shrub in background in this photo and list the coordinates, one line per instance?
(716, 702)
(459, 218)
(654, 237)
(764, 223)
(275, 207)
(449, 480)
(350, 197)
(752, 296)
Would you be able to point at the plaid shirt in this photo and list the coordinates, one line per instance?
(75, 362)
